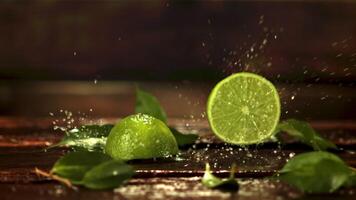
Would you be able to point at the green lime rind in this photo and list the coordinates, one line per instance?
(244, 109)
(140, 136)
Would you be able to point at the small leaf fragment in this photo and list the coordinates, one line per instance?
(108, 175)
(316, 172)
(183, 139)
(74, 165)
(148, 104)
(302, 131)
(213, 182)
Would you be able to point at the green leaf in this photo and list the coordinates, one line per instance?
(316, 172)
(351, 182)
(305, 133)
(107, 175)
(183, 139)
(213, 182)
(148, 104)
(87, 137)
(74, 165)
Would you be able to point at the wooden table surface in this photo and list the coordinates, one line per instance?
(26, 128)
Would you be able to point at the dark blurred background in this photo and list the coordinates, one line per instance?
(296, 44)
(176, 40)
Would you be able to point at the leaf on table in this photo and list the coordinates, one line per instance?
(75, 165)
(183, 139)
(305, 133)
(316, 172)
(213, 182)
(148, 104)
(108, 175)
(87, 137)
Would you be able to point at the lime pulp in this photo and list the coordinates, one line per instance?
(244, 108)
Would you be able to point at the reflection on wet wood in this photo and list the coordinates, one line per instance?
(17, 164)
(166, 188)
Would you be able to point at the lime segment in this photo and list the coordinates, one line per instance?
(140, 136)
(244, 108)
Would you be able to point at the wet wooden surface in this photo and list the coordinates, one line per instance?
(23, 139)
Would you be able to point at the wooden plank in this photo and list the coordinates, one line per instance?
(166, 188)
(18, 163)
(180, 99)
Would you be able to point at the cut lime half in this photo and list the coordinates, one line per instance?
(140, 136)
(244, 108)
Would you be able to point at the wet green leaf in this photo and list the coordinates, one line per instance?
(213, 182)
(316, 172)
(305, 133)
(108, 175)
(74, 165)
(183, 139)
(87, 137)
(148, 104)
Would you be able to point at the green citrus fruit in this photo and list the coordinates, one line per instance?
(244, 108)
(140, 136)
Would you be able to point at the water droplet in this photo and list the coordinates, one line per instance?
(264, 42)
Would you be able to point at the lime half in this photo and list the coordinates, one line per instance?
(244, 108)
(140, 136)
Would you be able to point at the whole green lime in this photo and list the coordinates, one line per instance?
(140, 136)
